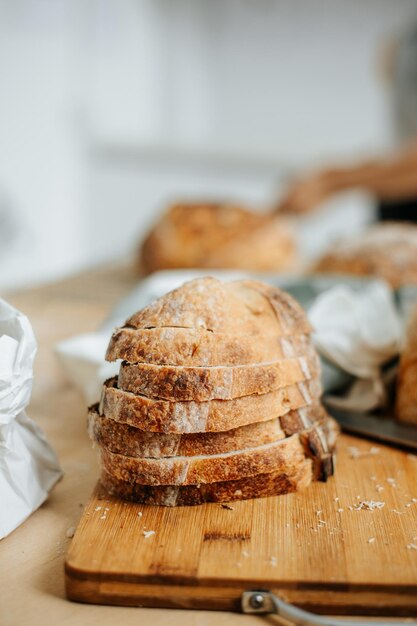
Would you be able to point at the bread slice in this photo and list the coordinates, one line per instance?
(239, 307)
(129, 441)
(174, 383)
(194, 470)
(260, 486)
(199, 347)
(193, 417)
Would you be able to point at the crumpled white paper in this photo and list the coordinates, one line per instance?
(28, 466)
(357, 330)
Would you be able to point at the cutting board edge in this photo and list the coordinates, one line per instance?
(124, 593)
(243, 584)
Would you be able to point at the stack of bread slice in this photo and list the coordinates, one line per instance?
(217, 399)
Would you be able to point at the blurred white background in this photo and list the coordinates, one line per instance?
(110, 108)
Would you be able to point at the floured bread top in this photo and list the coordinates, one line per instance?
(240, 307)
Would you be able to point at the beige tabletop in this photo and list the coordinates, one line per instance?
(32, 557)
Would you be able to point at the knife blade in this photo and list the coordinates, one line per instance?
(380, 428)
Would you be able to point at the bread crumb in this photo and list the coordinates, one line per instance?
(411, 546)
(98, 508)
(238, 492)
(340, 510)
(369, 505)
(336, 499)
(355, 453)
(70, 532)
(395, 511)
(227, 506)
(245, 553)
(273, 561)
(103, 517)
(148, 533)
(319, 512)
(140, 513)
(371, 539)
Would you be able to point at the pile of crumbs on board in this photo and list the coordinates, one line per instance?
(367, 505)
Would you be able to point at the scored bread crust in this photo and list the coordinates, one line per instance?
(199, 347)
(193, 417)
(173, 382)
(239, 307)
(259, 486)
(195, 470)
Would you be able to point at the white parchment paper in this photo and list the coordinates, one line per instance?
(28, 466)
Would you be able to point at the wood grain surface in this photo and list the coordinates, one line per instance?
(32, 557)
(323, 549)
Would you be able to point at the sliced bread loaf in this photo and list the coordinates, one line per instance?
(180, 470)
(199, 347)
(193, 417)
(174, 383)
(259, 486)
(129, 441)
(239, 307)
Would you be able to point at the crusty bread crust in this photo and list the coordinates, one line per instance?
(387, 250)
(129, 441)
(175, 383)
(195, 470)
(406, 392)
(193, 417)
(217, 398)
(239, 307)
(259, 486)
(207, 234)
(199, 347)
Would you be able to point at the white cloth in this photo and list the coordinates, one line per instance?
(358, 331)
(28, 466)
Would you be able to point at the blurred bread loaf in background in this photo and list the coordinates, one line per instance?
(406, 393)
(218, 235)
(387, 251)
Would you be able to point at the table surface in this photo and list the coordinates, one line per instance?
(32, 557)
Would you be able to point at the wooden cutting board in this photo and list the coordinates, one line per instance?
(330, 549)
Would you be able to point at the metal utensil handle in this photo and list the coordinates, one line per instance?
(263, 602)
